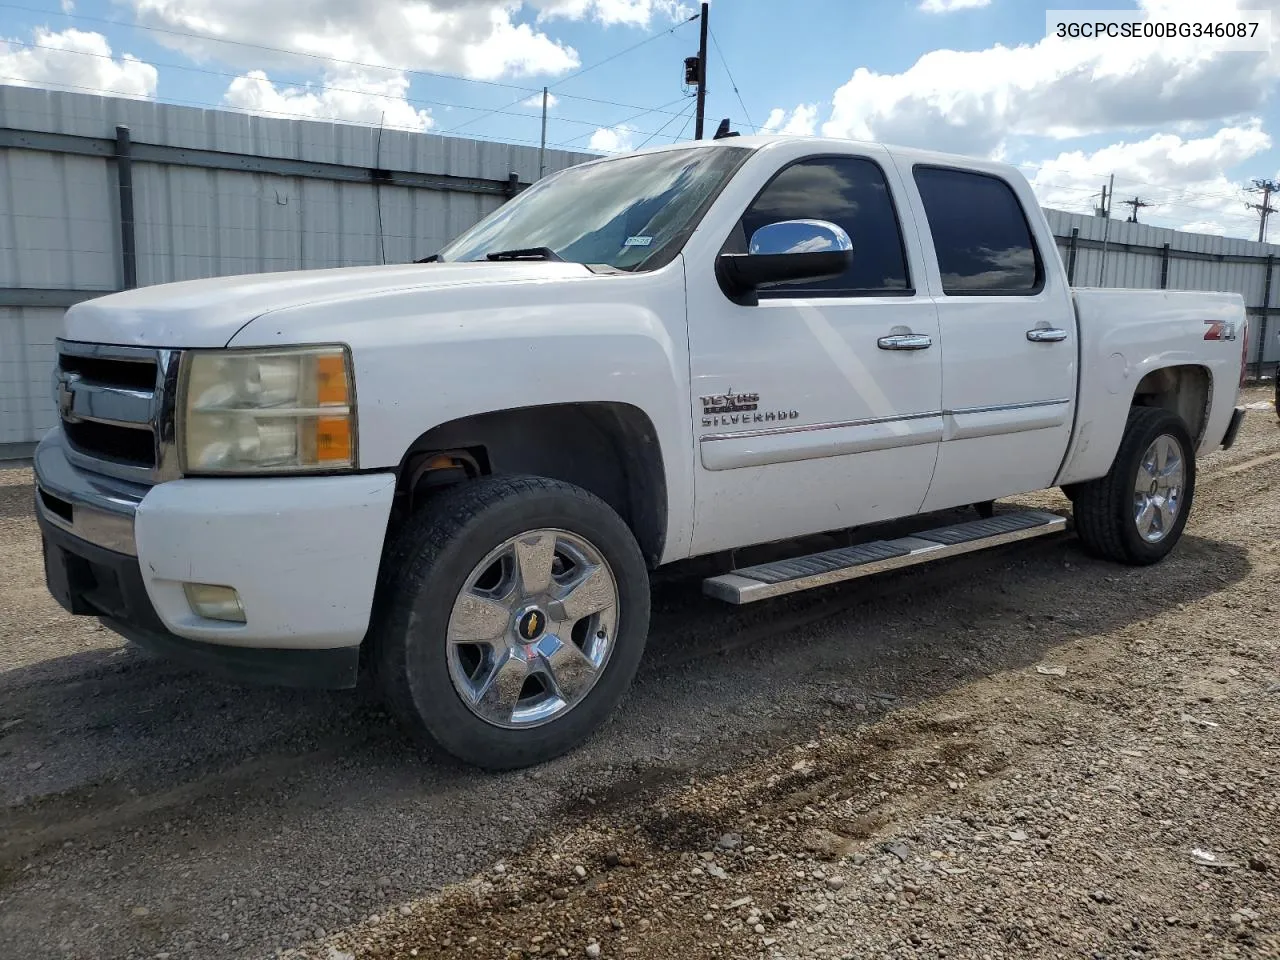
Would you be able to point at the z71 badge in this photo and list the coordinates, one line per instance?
(731, 409)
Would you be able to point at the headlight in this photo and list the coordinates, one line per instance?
(268, 411)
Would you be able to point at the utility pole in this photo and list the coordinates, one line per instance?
(1267, 187)
(702, 73)
(542, 148)
(1137, 203)
(1108, 193)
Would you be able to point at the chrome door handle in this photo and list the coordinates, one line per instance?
(1046, 335)
(905, 341)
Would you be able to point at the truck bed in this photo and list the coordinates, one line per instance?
(1126, 334)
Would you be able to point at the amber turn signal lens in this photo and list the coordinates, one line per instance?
(331, 380)
(333, 440)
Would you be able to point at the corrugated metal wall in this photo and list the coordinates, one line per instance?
(1135, 256)
(60, 237)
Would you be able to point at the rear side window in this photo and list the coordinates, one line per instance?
(850, 192)
(982, 237)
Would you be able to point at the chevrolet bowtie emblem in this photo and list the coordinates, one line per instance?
(66, 397)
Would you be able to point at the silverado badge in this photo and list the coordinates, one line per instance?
(739, 409)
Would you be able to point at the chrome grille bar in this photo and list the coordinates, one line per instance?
(116, 405)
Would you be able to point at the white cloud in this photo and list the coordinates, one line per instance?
(356, 97)
(800, 122)
(973, 101)
(475, 38)
(947, 6)
(1185, 180)
(75, 60)
(68, 6)
(535, 102)
(632, 13)
(618, 139)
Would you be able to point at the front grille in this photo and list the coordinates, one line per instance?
(124, 445)
(133, 374)
(116, 408)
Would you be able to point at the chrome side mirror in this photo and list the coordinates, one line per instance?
(785, 252)
(800, 236)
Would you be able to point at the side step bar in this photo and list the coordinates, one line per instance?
(848, 563)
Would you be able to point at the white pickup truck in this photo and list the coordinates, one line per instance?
(458, 473)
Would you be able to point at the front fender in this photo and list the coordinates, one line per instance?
(423, 358)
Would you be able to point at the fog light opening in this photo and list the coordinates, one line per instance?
(213, 602)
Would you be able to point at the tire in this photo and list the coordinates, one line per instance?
(1107, 509)
(476, 699)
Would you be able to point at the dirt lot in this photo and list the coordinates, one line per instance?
(1020, 753)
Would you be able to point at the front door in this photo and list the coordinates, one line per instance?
(1009, 348)
(819, 407)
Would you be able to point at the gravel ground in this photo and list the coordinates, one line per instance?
(1023, 752)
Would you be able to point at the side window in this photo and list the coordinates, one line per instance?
(850, 192)
(983, 241)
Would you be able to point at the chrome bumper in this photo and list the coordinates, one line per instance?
(89, 506)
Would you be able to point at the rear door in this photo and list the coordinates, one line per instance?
(1007, 329)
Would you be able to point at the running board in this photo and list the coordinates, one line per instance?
(848, 563)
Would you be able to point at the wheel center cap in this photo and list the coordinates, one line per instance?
(531, 625)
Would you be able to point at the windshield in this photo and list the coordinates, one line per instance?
(632, 213)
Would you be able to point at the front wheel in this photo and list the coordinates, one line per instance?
(1137, 512)
(513, 617)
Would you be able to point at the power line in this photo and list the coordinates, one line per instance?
(635, 46)
(660, 129)
(322, 58)
(733, 83)
(623, 123)
(207, 105)
(311, 86)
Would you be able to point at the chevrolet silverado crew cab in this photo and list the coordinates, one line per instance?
(457, 474)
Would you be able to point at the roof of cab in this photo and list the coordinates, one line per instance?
(820, 144)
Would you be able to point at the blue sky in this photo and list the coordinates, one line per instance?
(1185, 125)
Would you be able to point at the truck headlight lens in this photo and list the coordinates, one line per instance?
(268, 411)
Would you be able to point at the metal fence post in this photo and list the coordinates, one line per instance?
(128, 237)
(1262, 323)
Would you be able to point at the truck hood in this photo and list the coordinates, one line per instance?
(207, 313)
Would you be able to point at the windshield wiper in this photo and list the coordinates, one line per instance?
(434, 258)
(525, 253)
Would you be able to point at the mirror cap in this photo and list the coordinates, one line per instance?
(799, 236)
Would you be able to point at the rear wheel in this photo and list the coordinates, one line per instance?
(514, 615)
(1137, 512)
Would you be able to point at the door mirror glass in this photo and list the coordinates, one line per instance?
(785, 252)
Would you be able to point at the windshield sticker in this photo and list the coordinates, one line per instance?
(638, 241)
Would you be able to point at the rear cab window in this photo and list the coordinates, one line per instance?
(980, 233)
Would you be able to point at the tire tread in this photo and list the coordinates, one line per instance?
(1101, 506)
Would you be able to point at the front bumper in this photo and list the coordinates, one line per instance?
(90, 581)
(302, 553)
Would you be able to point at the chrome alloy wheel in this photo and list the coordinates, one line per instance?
(1157, 490)
(532, 630)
